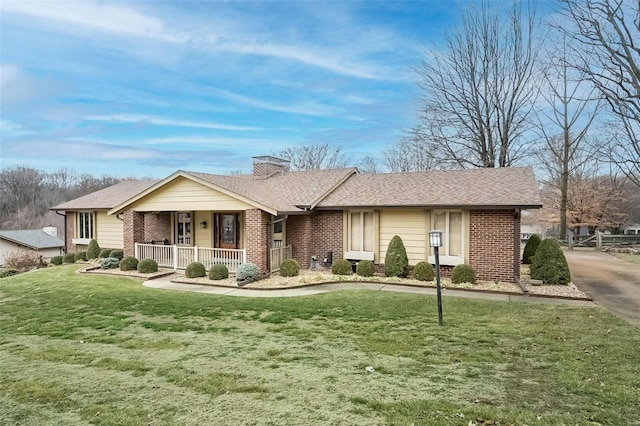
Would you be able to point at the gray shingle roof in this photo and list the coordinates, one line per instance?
(495, 187)
(32, 238)
(108, 197)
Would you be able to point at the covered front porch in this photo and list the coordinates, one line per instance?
(178, 257)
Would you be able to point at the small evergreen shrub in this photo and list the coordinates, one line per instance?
(195, 270)
(104, 253)
(396, 262)
(69, 258)
(8, 272)
(289, 268)
(56, 260)
(365, 268)
(247, 272)
(129, 263)
(218, 272)
(93, 250)
(109, 263)
(549, 264)
(341, 267)
(530, 249)
(463, 274)
(423, 271)
(147, 266)
(81, 255)
(118, 254)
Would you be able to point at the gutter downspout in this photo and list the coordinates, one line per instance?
(516, 251)
(65, 229)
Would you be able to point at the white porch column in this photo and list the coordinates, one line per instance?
(175, 257)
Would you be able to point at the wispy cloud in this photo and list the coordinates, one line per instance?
(306, 108)
(160, 121)
(10, 129)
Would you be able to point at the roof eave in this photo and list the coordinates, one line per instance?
(433, 206)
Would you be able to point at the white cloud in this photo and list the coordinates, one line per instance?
(305, 108)
(160, 121)
(9, 129)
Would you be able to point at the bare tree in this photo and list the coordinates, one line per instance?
(313, 157)
(564, 123)
(412, 153)
(608, 36)
(477, 95)
(368, 165)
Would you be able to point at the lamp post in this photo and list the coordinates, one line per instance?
(435, 241)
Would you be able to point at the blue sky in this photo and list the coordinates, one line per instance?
(145, 88)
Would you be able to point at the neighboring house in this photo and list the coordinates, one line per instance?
(632, 229)
(327, 214)
(44, 241)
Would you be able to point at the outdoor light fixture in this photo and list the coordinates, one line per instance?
(435, 241)
(203, 224)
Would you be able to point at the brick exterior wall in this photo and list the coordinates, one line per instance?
(133, 231)
(70, 219)
(315, 235)
(157, 226)
(257, 237)
(491, 244)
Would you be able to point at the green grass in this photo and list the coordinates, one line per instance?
(89, 349)
(628, 257)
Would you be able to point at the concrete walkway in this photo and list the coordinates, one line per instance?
(165, 283)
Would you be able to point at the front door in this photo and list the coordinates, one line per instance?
(228, 231)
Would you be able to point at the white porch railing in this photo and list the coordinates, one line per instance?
(278, 255)
(178, 257)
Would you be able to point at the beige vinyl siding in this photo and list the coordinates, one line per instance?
(184, 194)
(109, 231)
(204, 237)
(412, 226)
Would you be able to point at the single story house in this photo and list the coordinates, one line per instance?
(275, 213)
(45, 241)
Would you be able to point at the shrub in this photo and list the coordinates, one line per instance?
(530, 249)
(93, 250)
(23, 260)
(109, 263)
(549, 264)
(423, 271)
(365, 268)
(129, 263)
(147, 266)
(195, 270)
(69, 258)
(396, 262)
(341, 267)
(56, 260)
(289, 268)
(247, 272)
(463, 274)
(81, 255)
(118, 254)
(218, 272)
(9, 272)
(104, 253)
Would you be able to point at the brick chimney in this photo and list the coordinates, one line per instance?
(265, 166)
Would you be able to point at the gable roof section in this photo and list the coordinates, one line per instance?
(106, 198)
(32, 238)
(491, 187)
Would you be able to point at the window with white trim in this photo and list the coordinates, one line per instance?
(451, 223)
(360, 235)
(183, 228)
(85, 225)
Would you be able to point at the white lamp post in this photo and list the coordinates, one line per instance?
(435, 241)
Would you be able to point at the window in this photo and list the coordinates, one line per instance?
(361, 235)
(451, 224)
(183, 228)
(85, 225)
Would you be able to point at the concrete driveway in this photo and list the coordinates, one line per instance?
(611, 282)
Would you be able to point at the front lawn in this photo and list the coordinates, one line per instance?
(93, 349)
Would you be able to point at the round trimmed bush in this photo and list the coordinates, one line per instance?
(423, 271)
(549, 264)
(93, 250)
(463, 274)
(247, 273)
(109, 263)
(289, 268)
(530, 249)
(195, 270)
(118, 254)
(147, 266)
(81, 255)
(69, 258)
(56, 260)
(218, 272)
(129, 263)
(365, 268)
(104, 253)
(341, 267)
(396, 262)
